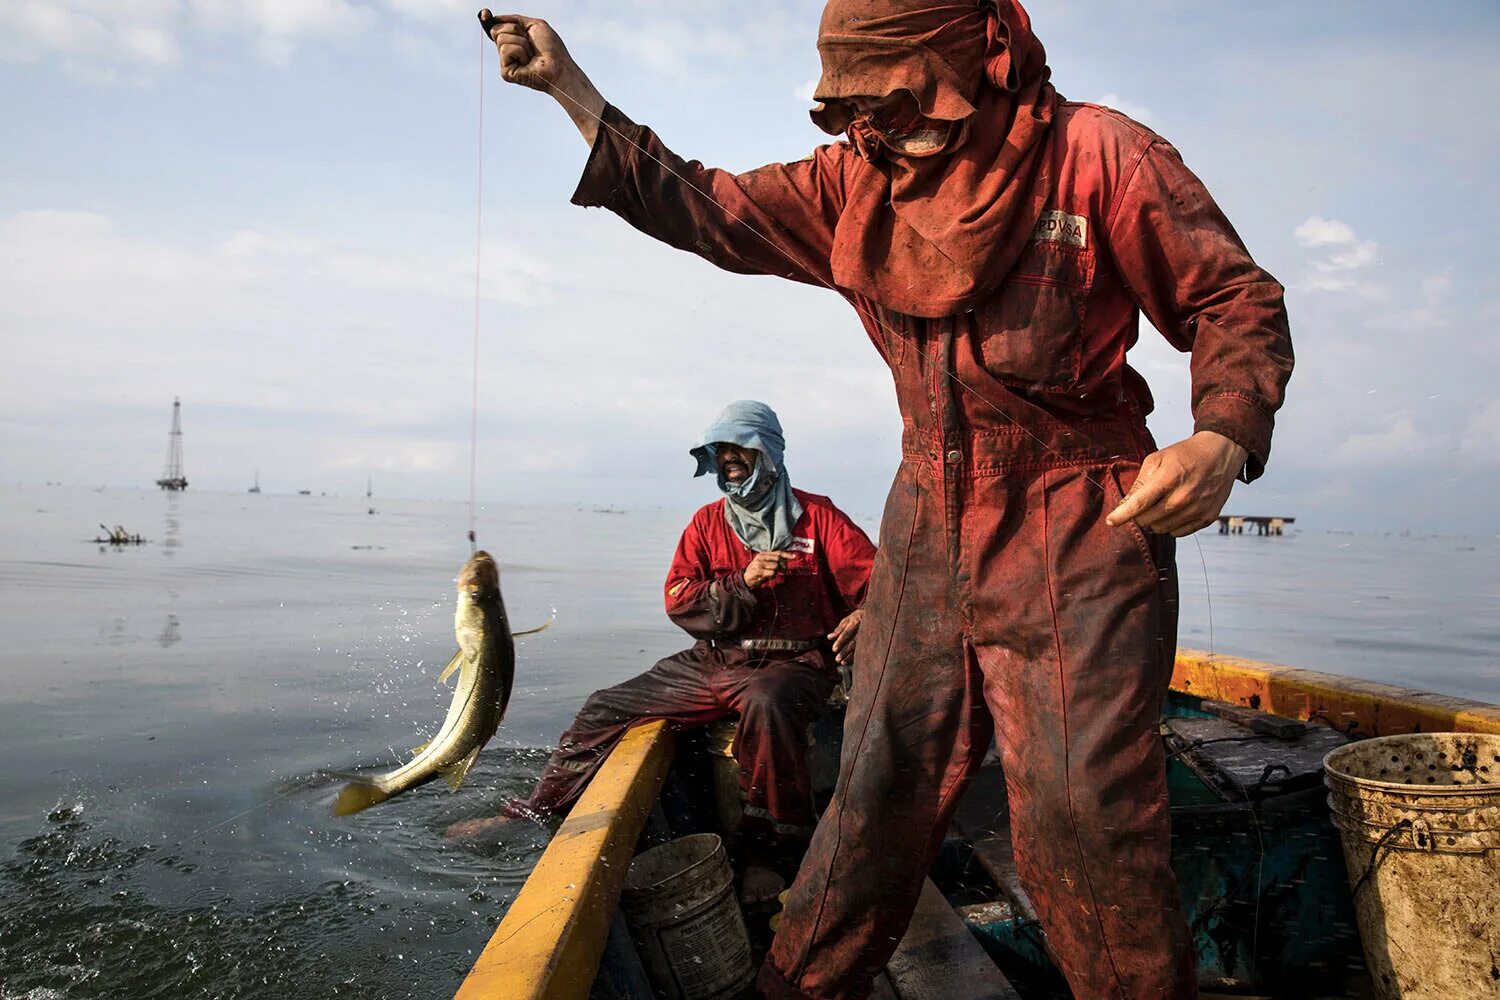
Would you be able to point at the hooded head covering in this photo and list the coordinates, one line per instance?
(762, 510)
(934, 235)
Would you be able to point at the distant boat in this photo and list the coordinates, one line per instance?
(256, 487)
(304, 493)
(369, 487)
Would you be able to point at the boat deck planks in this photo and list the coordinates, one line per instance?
(549, 944)
(938, 958)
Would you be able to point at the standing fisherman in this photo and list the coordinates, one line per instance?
(999, 245)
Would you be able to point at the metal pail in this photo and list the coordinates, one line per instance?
(1419, 817)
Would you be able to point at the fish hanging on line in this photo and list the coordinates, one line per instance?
(486, 665)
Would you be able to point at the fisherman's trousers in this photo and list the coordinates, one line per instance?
(776, 696)
(1002, 606)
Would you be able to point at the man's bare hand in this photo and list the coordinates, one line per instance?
(533, 55)
(764, 567)
(843, 636)
(1182, 488)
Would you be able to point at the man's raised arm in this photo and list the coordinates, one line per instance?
(778, 219)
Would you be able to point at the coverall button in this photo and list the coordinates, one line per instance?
(955, 456)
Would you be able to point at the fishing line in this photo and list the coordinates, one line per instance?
(1208, 595)
(478, 270)
(299, 786)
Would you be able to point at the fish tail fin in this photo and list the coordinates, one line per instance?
(455, 773)
(357, 796)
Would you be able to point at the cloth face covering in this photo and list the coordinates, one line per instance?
(932, 235)
(762, 510)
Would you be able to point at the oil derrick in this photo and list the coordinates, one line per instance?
(173, 479)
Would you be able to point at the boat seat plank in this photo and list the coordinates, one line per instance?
(549, 944)
(938, 958)
(1248, 762)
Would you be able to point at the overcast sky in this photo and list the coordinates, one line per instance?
(267, 207)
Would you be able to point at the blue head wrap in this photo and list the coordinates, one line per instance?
(762, 510)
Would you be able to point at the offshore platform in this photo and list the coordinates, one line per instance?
(172, 478)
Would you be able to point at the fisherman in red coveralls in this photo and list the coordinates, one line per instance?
(769, 580)
(999, 245)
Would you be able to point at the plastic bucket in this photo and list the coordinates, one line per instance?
(1419, 817)
(680, 906)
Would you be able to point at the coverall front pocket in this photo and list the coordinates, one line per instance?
(1118, 479)
(1032, 328)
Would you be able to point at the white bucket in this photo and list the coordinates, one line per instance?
(679, 903)
(1419, 816)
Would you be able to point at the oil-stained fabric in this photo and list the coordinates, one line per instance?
(998, 592)
(1040, 628)
(776, 695)
(935, 235)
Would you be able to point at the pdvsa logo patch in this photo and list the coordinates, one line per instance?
(806, 545)
(1060, 227)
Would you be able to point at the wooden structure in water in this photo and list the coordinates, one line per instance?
(1234, 524)
(1238, 841)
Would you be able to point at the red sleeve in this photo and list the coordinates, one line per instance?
(1192, 276)
(850, 556)
(778, 219)
(704, 605)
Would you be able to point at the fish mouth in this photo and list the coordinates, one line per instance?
(479, 573)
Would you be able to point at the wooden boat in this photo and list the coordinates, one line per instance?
(1257, 860)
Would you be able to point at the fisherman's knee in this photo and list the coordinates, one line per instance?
(599, 711)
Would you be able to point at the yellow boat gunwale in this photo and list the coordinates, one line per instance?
(549, 945)
(1349, 704)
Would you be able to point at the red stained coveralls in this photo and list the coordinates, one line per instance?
(1001, 605)
(777, 694)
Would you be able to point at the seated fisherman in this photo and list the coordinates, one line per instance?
(769, 580)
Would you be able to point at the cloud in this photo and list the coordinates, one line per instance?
(1399, 440)
(1481, 439)
(1320, 232)
(90, 37)
(121, 40)
(1342, 253)
(1358, 256)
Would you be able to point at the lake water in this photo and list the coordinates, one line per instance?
(165, 710)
